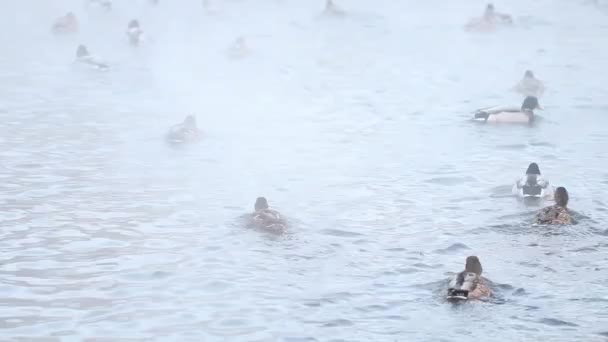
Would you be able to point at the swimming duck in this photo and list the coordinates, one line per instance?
(83, 56)
(532, 184)
(104, 4)
(558, 213)
(525, 114)
(529, 85)
(185, 132)
(469, 284)
(332, 9)
(134, 32)
(266, 218)
(66, 24)
(239, 48)
(490, 20)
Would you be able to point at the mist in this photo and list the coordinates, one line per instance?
(354, 125)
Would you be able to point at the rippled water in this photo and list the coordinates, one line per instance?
(355, 128)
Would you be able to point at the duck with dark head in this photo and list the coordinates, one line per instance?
(469, 284)
(134, 33)
(185, 132)
(532, 184)
(557, 213)
(83, 56)
(266, 218)
(510, 114)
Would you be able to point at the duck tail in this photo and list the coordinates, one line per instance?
(481, 115)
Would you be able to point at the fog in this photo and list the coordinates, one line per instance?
(355, 126)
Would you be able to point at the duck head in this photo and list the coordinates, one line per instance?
(82, 51)
(261, 204)
(528, 74)
(561, 197)
(533, 169)
(530, 104)
(466, 281)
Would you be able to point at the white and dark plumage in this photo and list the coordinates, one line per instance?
(84, 57)
(134, 33)
(509, 114)
(469, 284)
(532, 184)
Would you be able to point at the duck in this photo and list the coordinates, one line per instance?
(266, 218)
(185, 132)
(66, 24)
(557, 214)
(490, 20)
(239, 48)
(532, 184)
(104, 4)
(332, 10)
(506, 114)
(529, 85)
(469, 284)
(83, 56)
(134, 33)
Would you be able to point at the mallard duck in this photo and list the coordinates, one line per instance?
(185, 132)
(532, 184)
(66, 24)
(558, 213)
(490, 20)
(469, 284)
(83, 56)
(529, 85)
(134, 32)
(506, 114)
(266, 218)
(332, 9)
(239, 48)
(104, 4)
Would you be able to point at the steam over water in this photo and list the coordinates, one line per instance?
(355, 128)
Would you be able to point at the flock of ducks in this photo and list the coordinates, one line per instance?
(465, 285)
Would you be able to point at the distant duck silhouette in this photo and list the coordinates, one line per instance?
(532, 184)
(104, 4)
(469, 284)
(134, 33)
(490, 21)
(83, 56)
(239, 49)
(556, 214)
(505, 114)
(265, 218)
(332, 10)
(185, 132)
(530, 86)
(66, 24)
